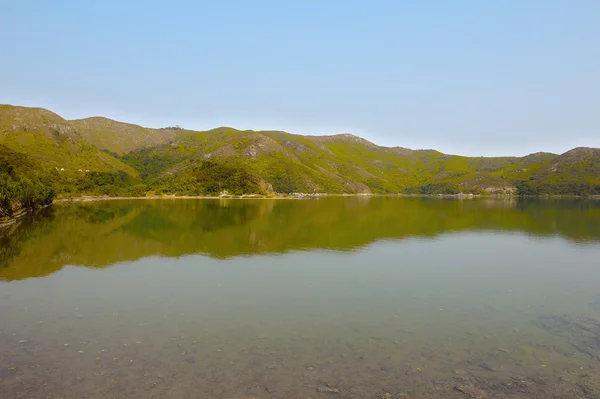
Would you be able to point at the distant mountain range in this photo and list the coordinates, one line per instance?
(101, 156)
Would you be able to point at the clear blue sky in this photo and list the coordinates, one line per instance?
(504, 77)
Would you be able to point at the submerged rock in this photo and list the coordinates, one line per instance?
(325, 389)
(470, 391)
(413, 371)
(489, 367)
(583, 332)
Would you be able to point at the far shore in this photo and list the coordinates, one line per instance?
(297, 196)
(109, 198)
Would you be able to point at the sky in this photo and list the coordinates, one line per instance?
(480, 78)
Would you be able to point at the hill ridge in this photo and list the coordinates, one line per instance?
(183, 161)
(351, 136)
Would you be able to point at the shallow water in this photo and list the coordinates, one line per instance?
(348, 297)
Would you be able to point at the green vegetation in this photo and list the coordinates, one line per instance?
(44, 154)
(149, 163)
(534, 187)
(98, 156)
(212, 178)
(22, 186)
(53, 142)
(118, 137)
(347, 164)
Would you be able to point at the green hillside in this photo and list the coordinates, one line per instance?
(122, 158)
(119, 137)
(23, 184)
(53, 141)
(38, 144)
(348, 164)
(575, 171)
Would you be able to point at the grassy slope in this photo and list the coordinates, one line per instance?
(346, 163)
(118, 137)
(289, 163)
(53, 142)
(24, 185)
(19, 163)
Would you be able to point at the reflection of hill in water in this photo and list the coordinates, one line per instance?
(102, 233)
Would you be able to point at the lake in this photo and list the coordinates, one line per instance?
(350, 297)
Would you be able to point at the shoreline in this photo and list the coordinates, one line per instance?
(298, 196)
(108, 198)
(20, 215)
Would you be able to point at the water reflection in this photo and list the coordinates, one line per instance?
(102, 233)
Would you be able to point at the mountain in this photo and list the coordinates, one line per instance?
(180, 161)
(118, 137)
(42, 154)
(349, 164)
(54, 142)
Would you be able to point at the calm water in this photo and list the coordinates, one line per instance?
(339, 297)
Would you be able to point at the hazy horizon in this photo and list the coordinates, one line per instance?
(466, 78)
